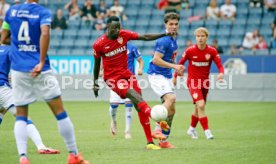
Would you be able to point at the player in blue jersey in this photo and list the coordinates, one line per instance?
(115, 100)
(160, 73)
(28, 25)
(7, 105)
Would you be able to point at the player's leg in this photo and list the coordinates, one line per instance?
(113, 108)
(124, 89)
(194, 120)
(23, 95)
(203, 119)
(163, 87)
(128, 118)
(51, 94)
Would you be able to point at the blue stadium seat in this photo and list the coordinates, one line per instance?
(185, 14)
(262, 52)
(70, 34)
(84, 34)
(225, 24)
(267, 20)
(147, 51)
(52, 51)
(55, 43)
(247, 52)
(82, 43)
(64, 52)
(57, 34)
(255, 12)
(223, 33)
(223, 42)
(74, 24)
(211, 23)
(254, 20)
(67, 43)
(196, 24)
(79, 52)
(199, 12)
(212, 32)
(236, 41)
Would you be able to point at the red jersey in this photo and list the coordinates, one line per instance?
(114, 54)
(200, 62)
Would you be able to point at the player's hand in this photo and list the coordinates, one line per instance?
(179, 69)
(220, 77)
(174, 81)
(140, 72)
(37, 69)
(96, 89)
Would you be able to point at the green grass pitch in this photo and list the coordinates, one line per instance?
(244, 133)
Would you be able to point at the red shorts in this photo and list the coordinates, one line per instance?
(121, 86)
(198, 93)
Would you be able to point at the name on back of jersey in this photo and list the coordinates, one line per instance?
(27, 48)
(116, 51)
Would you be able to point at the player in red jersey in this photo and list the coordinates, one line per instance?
(200, 58)
(111, 47)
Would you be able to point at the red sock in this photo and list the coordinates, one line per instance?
(204, 122)
(145, 122)
(144, 108)
(194, 121)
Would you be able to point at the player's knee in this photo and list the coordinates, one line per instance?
(172, 98)
(201, 106)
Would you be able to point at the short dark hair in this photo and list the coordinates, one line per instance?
(113, 19)
(171, 15)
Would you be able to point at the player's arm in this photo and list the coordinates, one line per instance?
(219, 65)
(181, 62)
(148, 37)
(141, 66)
(44, 45)
(5, 34)
(97, 67)
(157, 60)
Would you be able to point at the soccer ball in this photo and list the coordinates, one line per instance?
(159, 113)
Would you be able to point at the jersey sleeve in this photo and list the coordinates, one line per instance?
(46, 18)
(131, 35)
(161, 46)
(136, 52)
(96, 50)
(217, 61)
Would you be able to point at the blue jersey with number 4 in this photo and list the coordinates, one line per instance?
(133, 53)
(25, 21)
(168, 47)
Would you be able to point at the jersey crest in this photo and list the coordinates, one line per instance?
(120, 40)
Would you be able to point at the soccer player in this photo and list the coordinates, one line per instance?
(200, 58)
(7, 105)
(160, 74)
(112, 48)
(133, 53)
(28, 27)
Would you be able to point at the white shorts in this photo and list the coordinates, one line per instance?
(161, 85)
(115, 98)
(6, 98)
(26, 88)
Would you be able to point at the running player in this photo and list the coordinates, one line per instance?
(200, 58)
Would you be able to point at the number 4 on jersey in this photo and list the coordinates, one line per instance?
(23, 34)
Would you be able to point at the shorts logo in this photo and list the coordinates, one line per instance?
(195, 95)
(207, 56)
(120, 40)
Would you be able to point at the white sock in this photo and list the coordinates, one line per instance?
(128, 118)
(35, 136)
(21, 135)
(113, 112)
(66, 129)
(191, 128)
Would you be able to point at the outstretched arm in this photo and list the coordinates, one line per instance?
(148, 37)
